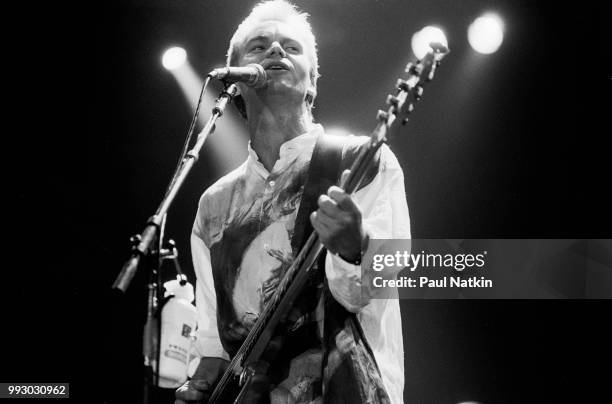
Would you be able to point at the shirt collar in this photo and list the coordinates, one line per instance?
(298, 145)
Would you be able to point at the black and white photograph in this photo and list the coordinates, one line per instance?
(309, 201)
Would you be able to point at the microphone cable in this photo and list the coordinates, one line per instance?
(194, 119)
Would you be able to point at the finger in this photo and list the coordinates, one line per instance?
(344, 176)
(199, 384)
(328, 205)
(188, 392)
(324, 232)
(332, 222)
(190, 395)
(203, 398)
(342, 199)
(321, 228)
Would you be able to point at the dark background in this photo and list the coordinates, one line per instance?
(510, 145)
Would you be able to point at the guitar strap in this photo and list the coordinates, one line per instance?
(350, 372)
(323, 172)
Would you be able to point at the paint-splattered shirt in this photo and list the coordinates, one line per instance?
(244, 226)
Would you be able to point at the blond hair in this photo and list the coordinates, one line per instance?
(276, 10)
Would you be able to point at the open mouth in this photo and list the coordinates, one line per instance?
(276, 66)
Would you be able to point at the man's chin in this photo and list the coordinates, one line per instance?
(280, 86)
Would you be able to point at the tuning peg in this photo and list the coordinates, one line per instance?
(405, 121)
(418, 93)
(135, 239)
(382, 116)
(402, 85)
(432, 71)
(413, 69)
(392, 100)
(409, 108)
(439, 49)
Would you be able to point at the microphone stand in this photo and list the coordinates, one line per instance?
(151, 337)
(144, 247)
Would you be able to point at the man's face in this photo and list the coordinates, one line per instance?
(282, 51)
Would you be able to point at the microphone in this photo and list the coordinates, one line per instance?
(253, 75)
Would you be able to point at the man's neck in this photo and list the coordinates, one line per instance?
(270, 129)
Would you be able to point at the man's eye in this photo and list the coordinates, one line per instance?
(257, 48)
(294, 49)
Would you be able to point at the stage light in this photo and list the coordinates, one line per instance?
(337, 131)
(486, 33)
(174, 58)
(421, 40)
(228, 145)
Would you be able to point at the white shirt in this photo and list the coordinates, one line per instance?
(251, 193)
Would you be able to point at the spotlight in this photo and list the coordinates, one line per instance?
(174, 58)
(421, 40)
(486, 33)
(337, 131)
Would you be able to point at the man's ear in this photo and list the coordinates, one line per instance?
(311, 94)
(238, 88)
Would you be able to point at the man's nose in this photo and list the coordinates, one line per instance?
(276, 50)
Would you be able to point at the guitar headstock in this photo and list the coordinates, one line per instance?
(410, 90)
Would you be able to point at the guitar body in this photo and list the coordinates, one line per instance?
(230, 391)
(251, 387)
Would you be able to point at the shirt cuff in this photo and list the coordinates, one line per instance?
(344, 280)
(210, 347)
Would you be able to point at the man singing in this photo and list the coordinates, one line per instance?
(242, 240)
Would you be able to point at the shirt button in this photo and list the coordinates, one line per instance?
(272, 183)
